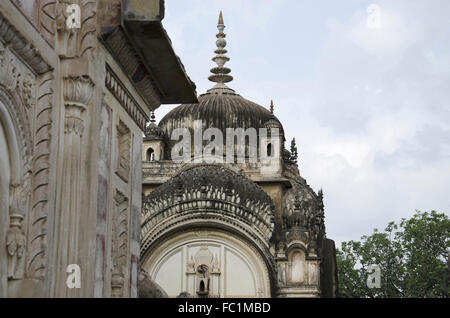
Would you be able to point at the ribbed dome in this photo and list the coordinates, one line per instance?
(220, 110)
(152, 132)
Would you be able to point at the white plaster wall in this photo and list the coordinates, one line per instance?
(242, 270)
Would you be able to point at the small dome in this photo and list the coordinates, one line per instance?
(153, 132)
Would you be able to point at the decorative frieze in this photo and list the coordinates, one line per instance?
(121, 48)
(17, 79)
(31, 56)
(120, 245)
(126, 99)
(124, 151)
(205, 194)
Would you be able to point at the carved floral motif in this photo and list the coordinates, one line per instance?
(78, 92)
(119, 244)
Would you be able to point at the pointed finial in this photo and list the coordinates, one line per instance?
(221, 18)
(271, 106)
(294, 151)
(152, 117)
(221, 73)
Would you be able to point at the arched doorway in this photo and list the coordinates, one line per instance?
(10, 175)
(207, 263)
(150, 154)
(4, 202)
(14, 182)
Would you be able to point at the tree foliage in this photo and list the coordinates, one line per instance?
(411, 255)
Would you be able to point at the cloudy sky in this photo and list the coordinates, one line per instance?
(367, 100)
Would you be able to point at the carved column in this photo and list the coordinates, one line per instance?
(77, 92)
(119, 251)
(15, 238)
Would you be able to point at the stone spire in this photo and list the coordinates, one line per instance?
(152, 117)
(220, 72)
(294, 151)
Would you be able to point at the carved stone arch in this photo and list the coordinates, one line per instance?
(297, 262)
(210, 196)
(15, 121)
(296, 245)
(214, 220)
(16, 195)
(213, 190)
(204, 220)
(214, 213)
(167, 245)
(26, 88)
(17, 91)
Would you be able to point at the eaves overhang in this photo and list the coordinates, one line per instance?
(138, 41)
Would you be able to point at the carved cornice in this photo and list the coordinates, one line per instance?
(125, 98)
(22, 47)
(130, 61)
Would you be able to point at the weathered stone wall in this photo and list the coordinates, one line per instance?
(73, 125)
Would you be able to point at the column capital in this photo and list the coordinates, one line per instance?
(78, 91)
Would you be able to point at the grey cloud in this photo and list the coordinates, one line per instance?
(429, 145)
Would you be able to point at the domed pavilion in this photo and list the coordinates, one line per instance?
(228, 226)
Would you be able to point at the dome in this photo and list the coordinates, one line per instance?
(153, 131)
(221, 110)
(221, 107)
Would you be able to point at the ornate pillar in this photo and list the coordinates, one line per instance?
(77, 93)
(119, 252)
(15, 238)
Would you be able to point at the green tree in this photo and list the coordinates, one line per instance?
(411, 255)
